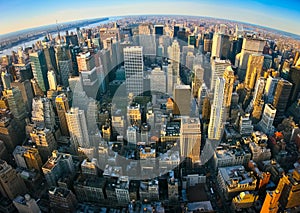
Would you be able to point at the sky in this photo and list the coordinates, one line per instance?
(19, 14)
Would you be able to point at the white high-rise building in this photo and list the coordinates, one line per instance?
(216, 45)
(52, 80)
(266, 123)
(131, 135)
(134, 67)
(158, 80)
(217, 115)
(270, 89)
(190, 138)
(174, 56)
(78, 127)
(217, 70)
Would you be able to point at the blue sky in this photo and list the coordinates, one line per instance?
(20, 14)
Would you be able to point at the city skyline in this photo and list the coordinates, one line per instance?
(265, 13)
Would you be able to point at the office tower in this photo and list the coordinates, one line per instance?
(52, 80)
(170, 79)
(288, 187)
(185, 51)
(33, 158)
(6, 79)
(23, 71)
(37, 91)
(198, 79)
(254, 70)
(44, 141)
(158, 81)
(27, 157)
(10, 133)
(16, 104)
(134, 67)
(159, 29)
(39, 69)
(85, 61)
(59, 165)
(245, 125)
(90, 82)
(281, 97)
(147, 39)
(218, 68)
(62, 200)
(78, 127)
(294, 78)
(266, 123)
(189, 60)
(26, 91)
(207, 47)
(11, 183)
(174, 56)
(190, 138)
(106, 131)
(229, 81)
(64, 64)
(74, 50)
(26, 204)
(134, 116)
(270, 89)
(217, 115)
(50, 58)
(62, 106)
(257, 95)
(271, 202)
(251, 45)
(182, 100)
(220, 46)
(43, 115)
(131, 136)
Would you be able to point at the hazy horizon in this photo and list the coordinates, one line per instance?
(31, 14)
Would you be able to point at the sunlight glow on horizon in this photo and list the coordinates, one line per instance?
(246, 14)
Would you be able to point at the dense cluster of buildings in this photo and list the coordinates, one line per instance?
(151, 114)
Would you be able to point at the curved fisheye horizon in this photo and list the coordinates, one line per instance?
(265, 13)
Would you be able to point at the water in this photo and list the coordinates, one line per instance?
(30, 43)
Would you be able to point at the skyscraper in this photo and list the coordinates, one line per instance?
(158, 81)
(254, 70)
(78, 127)
(190, 138)
(6, 79)
(251, 45)
(218, 68)
(26, 91)
(39, 69)
(182, 100)
(64, 64)
(294, 78)
(270, 89)
(134, 67)
(42, 113)
(220, 46)
(11, 184)
(62, 106)
(174, 56)
(229, 81)
(16, 104)
(198, 79)
(217, 115)
(44, 141)
(52, 80)
(266, 122)
(281, 97)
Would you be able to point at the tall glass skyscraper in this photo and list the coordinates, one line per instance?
(134, 66)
